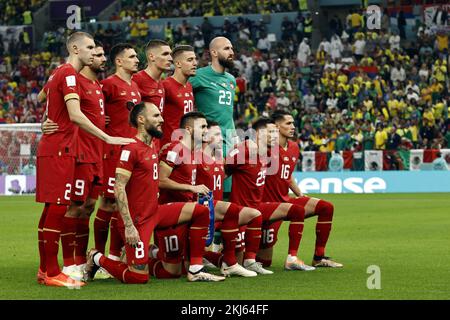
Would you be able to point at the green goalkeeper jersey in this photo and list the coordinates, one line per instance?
(214, 96)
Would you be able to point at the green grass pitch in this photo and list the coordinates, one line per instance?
(406, 235)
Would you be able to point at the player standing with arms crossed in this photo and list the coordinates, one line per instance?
(56, 154)
(119, 90)
(277, 189)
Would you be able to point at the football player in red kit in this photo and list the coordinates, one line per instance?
(159, 60)
(178, 170)
(56, 154)
(119, 89)
(136, 190)
(88, 168)
(248, 164)
(178, 91)
(277, 189)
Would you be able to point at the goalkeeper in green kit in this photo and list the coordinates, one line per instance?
(214, 91)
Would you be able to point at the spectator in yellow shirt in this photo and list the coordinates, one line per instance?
(381, 137)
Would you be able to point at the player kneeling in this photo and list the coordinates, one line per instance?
(136, 192)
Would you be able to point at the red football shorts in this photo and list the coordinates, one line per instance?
(172, 243)
(54, 178)
(166, 216)
(87, 176)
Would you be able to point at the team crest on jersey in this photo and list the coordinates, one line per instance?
(216, 169)
(97, 91)
(286, 159)
(231, 85)
(132, 93)
(154, 156)
(186, 94)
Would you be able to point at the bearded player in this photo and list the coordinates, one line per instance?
(179, 164)
(277, 189)
(119, 90)
(136, 191)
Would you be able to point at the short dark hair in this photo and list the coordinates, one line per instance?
(98, 43)
(180, 49)
(135, 111)
(118, 49)
(188, 117)
(279, 114)
(261, 123)
(212, 123)
(155, 43)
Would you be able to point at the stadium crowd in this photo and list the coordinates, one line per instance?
(17, 12)
(359, 90)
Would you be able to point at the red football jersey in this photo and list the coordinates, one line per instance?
(211, 173)
(140, 162)
(62, 85)
(179, 100)
(277, 185)
(117, 93)
(150, 89)
(181, 160)
(89, 147)
(248, 172)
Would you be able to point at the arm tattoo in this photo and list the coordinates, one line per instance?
(122, 200)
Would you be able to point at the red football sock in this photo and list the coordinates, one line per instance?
(116, 243)
(82, 239)
(52, 230)
(296, 215)
(121, 272)
(214, 257)
(101, 228)
(252, 237)
(68, 232)
(324, 210)
(41, 242)
(156, 269)
(230, 229)
(265, 263)
(198, 230)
